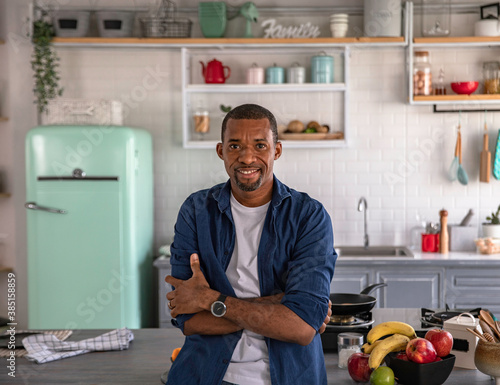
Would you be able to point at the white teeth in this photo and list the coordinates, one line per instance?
(246, 172)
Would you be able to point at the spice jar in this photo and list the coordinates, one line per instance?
(348, 344)
(491, 72)
(422, 76)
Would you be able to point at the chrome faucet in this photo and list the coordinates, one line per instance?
(363, 206)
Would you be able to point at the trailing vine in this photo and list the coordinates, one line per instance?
(44, 63)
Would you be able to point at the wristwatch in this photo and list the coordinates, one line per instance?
(218, 308)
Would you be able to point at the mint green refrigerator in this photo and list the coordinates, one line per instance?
(89, 205)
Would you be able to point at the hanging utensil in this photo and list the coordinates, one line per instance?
(452, 172)
(461, 173)
(496, 164)
(485, 165)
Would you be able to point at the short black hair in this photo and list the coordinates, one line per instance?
(251, 111)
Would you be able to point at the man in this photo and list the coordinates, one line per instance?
(252, 261)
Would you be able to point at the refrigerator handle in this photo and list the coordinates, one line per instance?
(34, 206)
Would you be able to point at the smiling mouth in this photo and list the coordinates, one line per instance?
(247, 172)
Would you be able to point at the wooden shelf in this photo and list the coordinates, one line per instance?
(5, 269)
(5, 195)
(142, 41)
(457, 40)
(453, 98)
(3, 118)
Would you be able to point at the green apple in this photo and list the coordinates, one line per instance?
(383, 375)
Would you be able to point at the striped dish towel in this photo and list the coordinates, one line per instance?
(496, 162)
(44, 348)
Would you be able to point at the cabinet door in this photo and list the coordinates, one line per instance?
(410, 287)
(471, 288)
(164, 317)
(350, 280)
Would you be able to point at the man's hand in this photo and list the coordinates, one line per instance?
(327, 319)
(191, 296)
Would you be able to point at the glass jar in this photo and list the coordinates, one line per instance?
(436, 15)
(491, 72)
(422, 76)
(201, 119)
(348, 344)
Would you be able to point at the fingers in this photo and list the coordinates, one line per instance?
(173, 281)
(322, 329)
(195, 264)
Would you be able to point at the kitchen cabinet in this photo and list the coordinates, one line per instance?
(450, 46)
(469, 288)
(406, 287)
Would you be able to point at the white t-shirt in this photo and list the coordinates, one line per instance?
(250, 361)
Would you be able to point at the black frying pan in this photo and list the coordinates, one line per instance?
(350, 304)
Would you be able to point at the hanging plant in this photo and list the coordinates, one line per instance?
(44, 63)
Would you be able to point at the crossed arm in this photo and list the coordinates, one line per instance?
(265, 316)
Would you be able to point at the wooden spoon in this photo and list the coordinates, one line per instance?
(486, 317)
(486, 329)
(477, 334)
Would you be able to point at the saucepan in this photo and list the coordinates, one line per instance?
(350, 304)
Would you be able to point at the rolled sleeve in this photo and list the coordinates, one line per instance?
(311, 269)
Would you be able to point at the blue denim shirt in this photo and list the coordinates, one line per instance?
(295, 256)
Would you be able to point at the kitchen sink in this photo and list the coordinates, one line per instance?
(373, 251)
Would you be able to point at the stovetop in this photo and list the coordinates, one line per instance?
(413, 316)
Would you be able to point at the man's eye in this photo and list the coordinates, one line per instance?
(261, 146)
(233, 146)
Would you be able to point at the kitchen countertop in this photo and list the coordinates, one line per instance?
(453, 258)
(148, 357)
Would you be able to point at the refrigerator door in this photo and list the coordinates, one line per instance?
(89, 194)
(76, 257)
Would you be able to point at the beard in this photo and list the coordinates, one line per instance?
(248, 186)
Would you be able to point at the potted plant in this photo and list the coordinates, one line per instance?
(491, 229)
(44, 62)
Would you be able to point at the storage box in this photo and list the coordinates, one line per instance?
(101, 112)
(71, 23)
(115, 23)
(462, 238)
(464, 342)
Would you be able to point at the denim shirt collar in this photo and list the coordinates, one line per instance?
(222, 194)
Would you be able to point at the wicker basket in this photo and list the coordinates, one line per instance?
(83, 112)
(165, 24)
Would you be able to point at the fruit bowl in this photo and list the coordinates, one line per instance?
(464, 88)
(412, 373)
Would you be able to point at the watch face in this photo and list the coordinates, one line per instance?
(218, 308)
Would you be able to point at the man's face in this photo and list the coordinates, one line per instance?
(249, 153)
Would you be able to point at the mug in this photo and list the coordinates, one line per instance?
(275, 75)
(322, 68)
(255, 74)
(296, 74)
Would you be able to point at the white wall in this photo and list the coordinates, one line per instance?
(397, 159)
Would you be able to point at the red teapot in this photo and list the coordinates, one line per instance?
(215, 72)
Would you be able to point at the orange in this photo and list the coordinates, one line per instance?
(175, 353)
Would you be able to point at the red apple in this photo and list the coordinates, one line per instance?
(358, 368)
(421, 351)
(442, 341)
(402, 356)
(438, 359)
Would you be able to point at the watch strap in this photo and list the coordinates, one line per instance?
(222, 298)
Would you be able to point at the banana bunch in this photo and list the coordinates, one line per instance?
(399, 334)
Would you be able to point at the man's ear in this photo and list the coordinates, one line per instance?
(218, 149)
(277, 151)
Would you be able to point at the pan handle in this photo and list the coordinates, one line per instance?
(369, 289)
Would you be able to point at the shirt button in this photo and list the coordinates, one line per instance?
(225, 361)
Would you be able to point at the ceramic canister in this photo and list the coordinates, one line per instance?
(255, 74)
(296, 74)
(275, 75)
(322, 68)
(382, 17)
